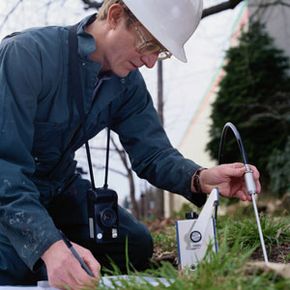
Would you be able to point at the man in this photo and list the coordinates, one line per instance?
(38, 121)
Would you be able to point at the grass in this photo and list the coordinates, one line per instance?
(226, 270)
(165, 239)
(275, 230)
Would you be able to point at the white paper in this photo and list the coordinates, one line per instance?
(107, 281)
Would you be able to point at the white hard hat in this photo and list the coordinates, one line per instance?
(171, 22)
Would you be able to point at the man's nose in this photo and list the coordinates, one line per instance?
(150, 59)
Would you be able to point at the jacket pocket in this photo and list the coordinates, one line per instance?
(47, 143)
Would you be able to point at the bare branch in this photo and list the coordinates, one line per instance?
(121, 154)
(9, 14)
(231, 4)
(260, 9)
(264, 4)
(112, 169)
(89, 4)
(48, 4)
(101, 148)
(123, 157)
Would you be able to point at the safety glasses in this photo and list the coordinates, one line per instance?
(146, 44)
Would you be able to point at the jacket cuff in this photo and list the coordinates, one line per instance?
(34, 261)
(198, 198)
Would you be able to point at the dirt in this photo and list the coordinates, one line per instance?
(277, 254)
(160, 256)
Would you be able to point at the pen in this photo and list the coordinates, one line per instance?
(76, 254)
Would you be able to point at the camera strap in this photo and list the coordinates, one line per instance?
(76, 89)
(75, 92)
(107, 161)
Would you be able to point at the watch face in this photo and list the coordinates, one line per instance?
(195, 236)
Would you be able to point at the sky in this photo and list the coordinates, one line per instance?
(185, 85)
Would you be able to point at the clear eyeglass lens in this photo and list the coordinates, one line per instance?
(164, 55)
(150, 46)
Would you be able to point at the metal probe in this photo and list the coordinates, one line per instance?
(251, 188)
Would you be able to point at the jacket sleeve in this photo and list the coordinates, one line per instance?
(23, 219)
(151, 154)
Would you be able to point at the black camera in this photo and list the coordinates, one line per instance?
(103, 214)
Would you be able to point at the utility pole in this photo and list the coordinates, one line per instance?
(160, 105)
(160, 102)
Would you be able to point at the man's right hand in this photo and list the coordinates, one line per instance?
(64, 270)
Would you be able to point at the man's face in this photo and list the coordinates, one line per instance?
(125, 50)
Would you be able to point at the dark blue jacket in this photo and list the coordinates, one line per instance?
(38, 119)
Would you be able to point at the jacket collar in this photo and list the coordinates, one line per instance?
(87, 45)
(86, 42)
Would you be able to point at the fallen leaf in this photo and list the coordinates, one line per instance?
(281, 269)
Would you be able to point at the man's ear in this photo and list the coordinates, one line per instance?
(115, 14)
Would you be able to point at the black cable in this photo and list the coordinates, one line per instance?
(248, 176)
(90, 165)
(238, 138)
(107, 162)
(107, 158)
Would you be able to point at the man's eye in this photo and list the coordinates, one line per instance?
(152, 47)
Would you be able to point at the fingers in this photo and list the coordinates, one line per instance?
(233, 170)
(256, 175)
(65, 271)
(241, 195)
(92, 263)
(238, 170)
(72, 276)
(236, 165)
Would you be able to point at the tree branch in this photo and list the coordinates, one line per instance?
(231, 4)
(9, 14)
(265, 4)
(121, 154)
(89, 4)
(112, 169)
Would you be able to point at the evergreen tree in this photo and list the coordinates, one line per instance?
(279, 167)
(255, 96)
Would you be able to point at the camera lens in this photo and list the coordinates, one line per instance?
(108, 217)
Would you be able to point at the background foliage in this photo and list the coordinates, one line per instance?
(255, 96)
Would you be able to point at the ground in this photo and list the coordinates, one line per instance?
(278, 249)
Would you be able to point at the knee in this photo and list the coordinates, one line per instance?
(134, 246)
(140, 247)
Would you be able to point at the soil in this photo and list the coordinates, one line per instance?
(279, 253)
